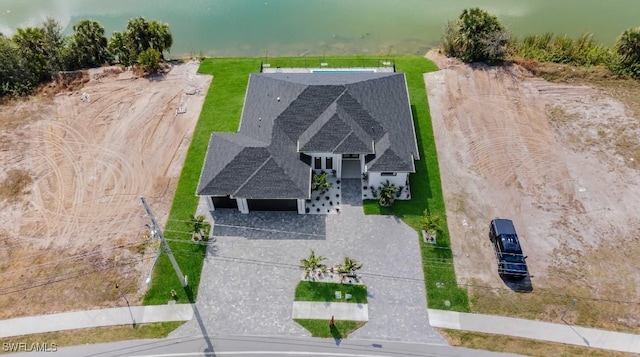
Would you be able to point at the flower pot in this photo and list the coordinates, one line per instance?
(429, 237)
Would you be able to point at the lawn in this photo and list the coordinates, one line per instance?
(221, 112)
(310, 291)
(426, 193)
(96, 335)
(321, 328)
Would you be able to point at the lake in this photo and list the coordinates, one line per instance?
(300, 27)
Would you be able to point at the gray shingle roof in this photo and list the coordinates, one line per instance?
(286, 113)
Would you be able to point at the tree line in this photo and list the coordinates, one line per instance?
(34, 54)
(478, 36)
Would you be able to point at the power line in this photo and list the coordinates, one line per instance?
(70, 258)
(155, 228)
(61, 278)
(395, 277)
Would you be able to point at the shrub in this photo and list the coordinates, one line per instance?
(476, 36)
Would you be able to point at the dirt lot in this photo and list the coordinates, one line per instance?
(563, 162)
(71, 221)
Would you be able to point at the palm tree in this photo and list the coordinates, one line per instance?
(88, 47)
(431, 222)
(387, 194)
(349, 266)
(320, 183)
(313, 262)
(628, 47)
(197, 227)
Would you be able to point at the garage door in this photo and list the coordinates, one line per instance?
(225, 202)
(272, 205)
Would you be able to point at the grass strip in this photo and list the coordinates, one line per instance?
(310, 291)
(527, 347)
(321, 328)
(93, 335)
(220, 112)
(426, 194)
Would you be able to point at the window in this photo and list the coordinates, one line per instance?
(317, 163)
(350, 156)
(388, 174)
(329, 163)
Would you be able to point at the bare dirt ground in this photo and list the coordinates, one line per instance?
(71, 221)
(560, 160)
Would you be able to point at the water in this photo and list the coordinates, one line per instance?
(300, 27)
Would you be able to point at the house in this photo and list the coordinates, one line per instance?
(344, 123)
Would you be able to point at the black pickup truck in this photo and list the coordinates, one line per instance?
(511, 261)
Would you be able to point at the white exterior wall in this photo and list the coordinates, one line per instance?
(301, 206)
(376, 179)
(243, 206)
(209, 200)
(337, 162)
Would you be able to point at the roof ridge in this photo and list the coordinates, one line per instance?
(253, 173)
(343, 139)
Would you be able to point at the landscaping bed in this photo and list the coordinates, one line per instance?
(312, 291)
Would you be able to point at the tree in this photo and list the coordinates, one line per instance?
(13, 74)
(142, 35)
(431, 222)
(349, 266)
(387, 194)
(320, 183)
(88, 46)
(119, 49)
(475, 36)
(30, 42)
(313, 262)
(54, 45)
(628, 48)
(198, 228)
(149, 60)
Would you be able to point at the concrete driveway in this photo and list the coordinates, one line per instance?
(250, 274)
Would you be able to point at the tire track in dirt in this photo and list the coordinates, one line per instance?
(90, 162)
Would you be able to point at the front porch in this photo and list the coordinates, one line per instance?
(328, 202)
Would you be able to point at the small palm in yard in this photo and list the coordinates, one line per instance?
(387, 194)
(313, 262)
(349, 266)
(198, 227)
(432, 222)
(320, 183)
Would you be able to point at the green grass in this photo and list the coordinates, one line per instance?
(508, 344)
(310, 291)
(221, 112)
(426, 193)
(97, 335)
(321, 328)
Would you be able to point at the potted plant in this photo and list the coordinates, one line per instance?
(431, 223)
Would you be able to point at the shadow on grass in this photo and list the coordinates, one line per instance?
(335, 333)
(522, 285)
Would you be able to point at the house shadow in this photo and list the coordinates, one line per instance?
(520, 285)
(269, 225)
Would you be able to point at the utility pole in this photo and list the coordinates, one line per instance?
(156, 228)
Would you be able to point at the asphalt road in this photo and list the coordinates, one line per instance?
(260, 346)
